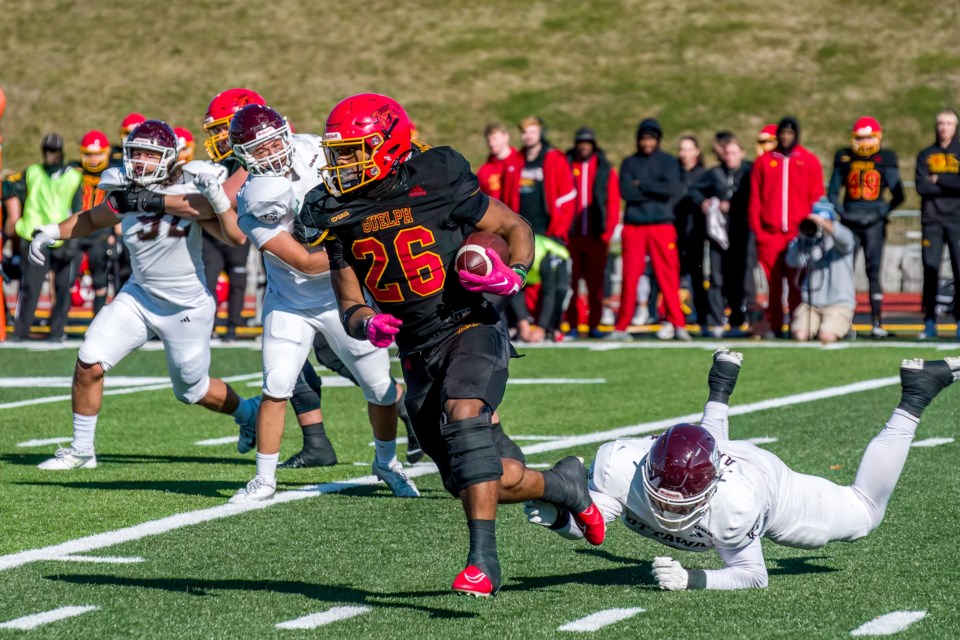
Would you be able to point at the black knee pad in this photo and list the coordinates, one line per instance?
(472, 451)
(305, 399)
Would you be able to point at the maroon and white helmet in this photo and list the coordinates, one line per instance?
(261, 139)
(150, 152)
(680, 475)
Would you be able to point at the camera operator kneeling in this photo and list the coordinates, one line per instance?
(824, 249)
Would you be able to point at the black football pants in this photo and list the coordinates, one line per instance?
(935, 236)
(872, 237)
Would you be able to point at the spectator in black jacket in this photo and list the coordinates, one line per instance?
(650, 184)
(863, 170)
(938, 183)
(689, 224)
(724, 192)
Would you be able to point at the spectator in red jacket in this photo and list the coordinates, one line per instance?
(597, 213)
(784, 185)
(502, 159)
(542, 191)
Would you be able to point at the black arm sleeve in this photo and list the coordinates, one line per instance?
(335, 252)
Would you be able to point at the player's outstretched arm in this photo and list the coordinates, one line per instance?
(285, 247)
(78, 225)
(745, 569)
(195, 206)
(515, 230)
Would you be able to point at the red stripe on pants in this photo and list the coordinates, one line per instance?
(589, 257)
(774, 263)
(660, 241)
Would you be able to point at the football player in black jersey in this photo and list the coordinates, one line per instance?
(864, 170)
(400, 214)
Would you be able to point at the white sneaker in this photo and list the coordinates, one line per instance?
(607, 317)
(667, 332)
(70, 458)
(682, 334)
(256, 490)
(396, 479)
(641, 316)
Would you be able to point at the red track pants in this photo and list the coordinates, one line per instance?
(660, 241)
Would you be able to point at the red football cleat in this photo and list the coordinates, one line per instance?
(473, 582)
(591, 522)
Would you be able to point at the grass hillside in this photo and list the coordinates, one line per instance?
(71, 66)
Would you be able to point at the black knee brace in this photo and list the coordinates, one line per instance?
(306, 397)
(474, 457)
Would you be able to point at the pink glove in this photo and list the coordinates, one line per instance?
(501, 281)
(382, 328)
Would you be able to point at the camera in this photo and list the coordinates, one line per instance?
(811, 228)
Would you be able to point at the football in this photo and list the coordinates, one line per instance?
(472, 255)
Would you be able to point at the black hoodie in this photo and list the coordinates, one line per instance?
(940, 201)
(650, 184)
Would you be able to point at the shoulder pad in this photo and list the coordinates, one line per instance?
(198, 167)
(736, 515)
(616, 465)
(266, 198)
(113, 178)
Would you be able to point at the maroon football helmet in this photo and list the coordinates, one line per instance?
(150, 152)
(260, 138)
(680, 475)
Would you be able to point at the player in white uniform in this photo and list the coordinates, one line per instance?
(165, 296)
(300, 302)
(694, 489)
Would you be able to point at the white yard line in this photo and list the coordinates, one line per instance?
(118, 392)
(889, 623)
(37, 619)
(44, 442)
(103, 559)
(177, 521)
(932, 442)
(600, 619)
(761, 440)
(216, 441)
(315, 620)
(712, 345)
(65, 382)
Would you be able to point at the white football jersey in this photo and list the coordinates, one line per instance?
(166, 252)
(268, 205)
(743, 508)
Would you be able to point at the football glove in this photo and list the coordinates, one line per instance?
(209, 185)
(43, 237)
(135, 200)
(382, 329)
(542, 513)
(669, 574)
(501, 281)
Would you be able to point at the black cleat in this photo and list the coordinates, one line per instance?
(723, 374)
(310, 458)
(921, 381)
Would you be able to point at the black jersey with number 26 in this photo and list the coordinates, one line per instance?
(402, 240)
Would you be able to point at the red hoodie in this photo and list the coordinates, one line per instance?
(492, 171)
(557, 188)
(783, 188)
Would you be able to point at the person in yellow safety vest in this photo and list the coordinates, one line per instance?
(551, 271)
(48, 189)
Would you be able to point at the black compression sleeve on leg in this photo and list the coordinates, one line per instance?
(473, 453)
(306, 398)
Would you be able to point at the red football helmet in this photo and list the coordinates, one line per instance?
(187, 147)
(680, 475)
(260, 138)
(219, 114)
(766, 139)
(129, 122)
(865, 136)
(367, 137)
(150, 152)
(94, 151)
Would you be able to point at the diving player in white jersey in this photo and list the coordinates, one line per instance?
(694, 489)
(300, 301)
(165, 296)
